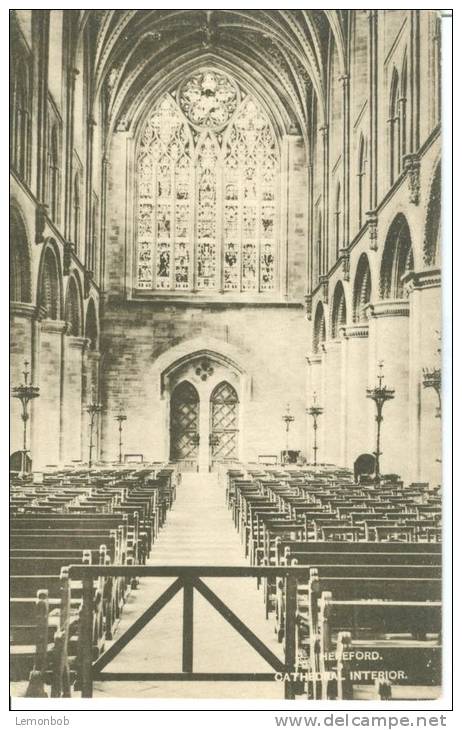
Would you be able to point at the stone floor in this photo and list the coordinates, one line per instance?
(199, 531)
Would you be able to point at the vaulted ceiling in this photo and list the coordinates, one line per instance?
(132, 51)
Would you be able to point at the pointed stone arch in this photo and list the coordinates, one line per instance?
(397, 259)
(319, 330)
(339, 312)
(91, 325)
(73, 308)
(20, 258)
(432, 242)
(362, 289)
(49, 292)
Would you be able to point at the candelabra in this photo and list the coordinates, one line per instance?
(315, 411)
(92, 409)
(25, 393)
(288, 419)
(432, 379)
(380, 394)
(120, 418)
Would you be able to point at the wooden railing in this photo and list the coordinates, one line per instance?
(187, 579)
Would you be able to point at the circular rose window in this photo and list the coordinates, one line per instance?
(208, 99)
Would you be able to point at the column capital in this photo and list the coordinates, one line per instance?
(68, 252)
(87, 281)
(430, 279)
(345, 258)
(372, 220)
(93, 355)
(308, 306)
(324, 288)
(77, 343)
(388, 308)
(411, 165)
(57, 326)
(41, 215)
(23, 309)
(353, 331)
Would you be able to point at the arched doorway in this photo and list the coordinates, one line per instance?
(224, 423)
(184, 424)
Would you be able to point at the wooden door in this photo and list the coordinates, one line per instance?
(184, 424)
(224, 423)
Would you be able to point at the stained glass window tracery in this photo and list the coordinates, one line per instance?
(207, 169)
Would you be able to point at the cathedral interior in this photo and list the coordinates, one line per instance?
(216, 215)
(225, 318)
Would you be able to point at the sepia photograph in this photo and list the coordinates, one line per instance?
(226, 341)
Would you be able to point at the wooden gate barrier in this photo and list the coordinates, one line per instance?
(188, 579)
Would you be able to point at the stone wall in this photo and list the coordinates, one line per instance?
(269, 343)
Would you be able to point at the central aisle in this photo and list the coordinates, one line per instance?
(199, 531)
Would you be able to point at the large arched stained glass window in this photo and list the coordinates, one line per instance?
(207, 171)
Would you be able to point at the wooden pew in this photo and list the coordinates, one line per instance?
(52, 627)
(386, 627)
(31, 643)
(363, 589)
(342, 554)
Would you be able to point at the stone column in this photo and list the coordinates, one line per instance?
(424, 289)
(72, 74)
(345, 237)
(72, 399)
(314, 385)
(355, 411)
(48, 410)
(324, 263)
(41, 28)
(373, 104)
(89, 264)
(389, 342)
(331, 401)
(21, 336)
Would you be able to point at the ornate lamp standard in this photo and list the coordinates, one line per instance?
(92, 409)
(25, 393)
(315, 411)
(120, 418)
(288, 419)
(379, 395)
(432, 379)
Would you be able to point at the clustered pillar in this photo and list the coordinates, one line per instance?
(404, 335)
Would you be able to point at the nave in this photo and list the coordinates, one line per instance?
(225, 250)
(199, 532)
(349, 579)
